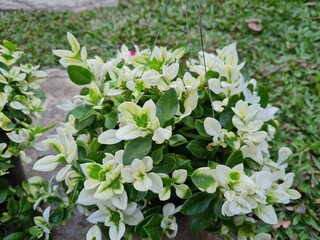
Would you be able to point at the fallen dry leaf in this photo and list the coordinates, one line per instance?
(284, 224)
(254, 24)
(290, 208)
(311, 4)
(255, 20)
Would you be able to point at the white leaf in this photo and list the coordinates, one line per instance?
(143, 185)
(294, 194)
(157, 184)
(134, 217)
(165, 194)
(148, 163)
(116, 232)
(75, 46)
(126, 174)
(262, 236)
(97, 216)
(170, 72)
(283, 154)
(120, 200)
(191, 100)
(267, 214)
(104, 192)
(108, 137)
(63, 53)
(61, 175)
(86, 197)
(94, 233)
(3, 99)
(179, 175)
(181, 190)
(160, 135)
(47, 163)
(128, 132)
(212, 126)
(46, 214)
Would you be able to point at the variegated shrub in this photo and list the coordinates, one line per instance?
(22, 213)
(150, 136)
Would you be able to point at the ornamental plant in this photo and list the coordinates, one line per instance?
(22, 213)
(151, 136)
(21, 100)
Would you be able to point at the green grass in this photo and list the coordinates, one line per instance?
(284, 56)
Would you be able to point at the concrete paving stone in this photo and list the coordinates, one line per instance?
(56, 5)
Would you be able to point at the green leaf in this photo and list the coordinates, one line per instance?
(55, 200)
(225, 118)
(235, 158)
(202, 221)
(177, 140)
(93, 170)
(203, 179)
(3, 190)
(82, 112)
(79, 75)
(5, 67)
(199, 148)
(15, 236)
(230, 141)
(212, 165)
(83, 123)
(153, 227)
(139, 229)
(9, 45)
(264, 97)
(166, 165)
(13, 207)
(57, 216)
(218, 208)
(233, 100)
(212, 74)
(200, 128)
(137, 148)
(189, 121)
(157, 155)
(137, 196)
(246, 230)
(167, 106)
(198, 112)
(84, 91)
(182, 163)
(198, 203)
(111, 119)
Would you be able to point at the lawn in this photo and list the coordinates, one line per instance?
(279, 40)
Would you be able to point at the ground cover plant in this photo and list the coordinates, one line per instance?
(284, 50)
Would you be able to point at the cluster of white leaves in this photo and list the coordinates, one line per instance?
(19, 100)
(129, 86)
(169, 222)
(66, 147)
(257, 192)
(243, 194)
(177, 181)
(104, 187)
(19, 85)
(136, 121)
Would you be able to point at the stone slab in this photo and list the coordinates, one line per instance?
(56, 5)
